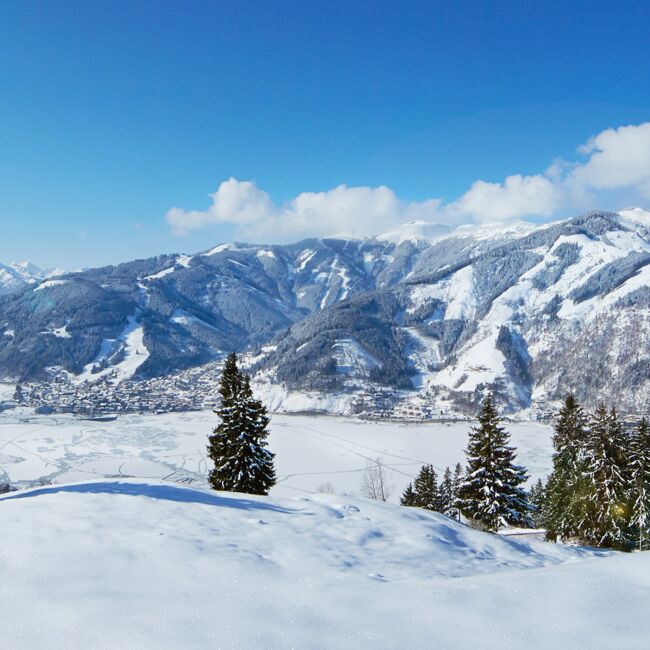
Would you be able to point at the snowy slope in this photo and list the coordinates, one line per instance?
(119, 358)
(149, 565)
(530, 312)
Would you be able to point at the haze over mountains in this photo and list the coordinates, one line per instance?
(528, 310)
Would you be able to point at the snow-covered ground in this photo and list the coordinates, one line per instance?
(311, 451)
(131, 343)
(6, 392)
(143, 564)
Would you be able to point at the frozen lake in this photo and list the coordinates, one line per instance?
(310, 450)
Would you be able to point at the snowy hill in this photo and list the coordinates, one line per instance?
(145, 565)
(530, 311)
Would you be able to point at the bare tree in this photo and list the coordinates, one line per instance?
(325, 488)
(374, 483)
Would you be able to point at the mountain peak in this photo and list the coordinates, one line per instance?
(19, 274)
(417, 231)
(636, 215)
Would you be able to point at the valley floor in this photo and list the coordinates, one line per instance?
(311, 450)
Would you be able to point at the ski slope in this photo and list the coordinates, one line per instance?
(147, 565)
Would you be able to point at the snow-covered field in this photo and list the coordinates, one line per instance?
(311, 451)
(142, 563)
(149, 565)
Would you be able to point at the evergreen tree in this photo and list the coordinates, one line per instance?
(426, 491)
(221, 446)
(536, 498)
(606, 519)
(565, 504)
(619, 441)
(457, 480)
(408, 496)
(238, 447)
(491, 493)
(447, 497)
(639, 468)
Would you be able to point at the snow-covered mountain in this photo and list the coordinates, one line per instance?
(530, 311)
(144, 564)
(17, 275)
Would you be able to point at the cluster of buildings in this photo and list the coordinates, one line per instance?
(189, 390)
(378, 403)
(196, 389)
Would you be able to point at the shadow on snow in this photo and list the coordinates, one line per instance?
(163, 492)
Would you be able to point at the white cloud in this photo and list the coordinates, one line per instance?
(351, 210)
(239, 202)
(516, 197)
(615, 160)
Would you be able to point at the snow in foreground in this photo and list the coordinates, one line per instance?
(144, 564)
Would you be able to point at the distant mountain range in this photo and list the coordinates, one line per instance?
(18, 275)
(527, 310)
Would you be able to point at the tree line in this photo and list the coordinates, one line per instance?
(599, 490)
(597, 494)
(426, 492)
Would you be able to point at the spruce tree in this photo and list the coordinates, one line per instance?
(536, 498)
(426, 491)
(238, 447)
(221, 447)
(447, 497)
(565, 504)
(639, 468)
(491, 494)
(606, 520)
(457, 480)
(408, 496)
(619, 441)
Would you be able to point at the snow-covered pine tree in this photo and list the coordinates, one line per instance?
(256, 470)
(620, 441)
(607, 516)
(221, 447)
(536, 498)
(426, 491)
(565, 503)
(457, 479)
(491, 494)
(639, 481)
(408, 496)
(238, 448)
(447, 497)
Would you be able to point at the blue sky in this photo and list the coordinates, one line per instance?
(114, 113)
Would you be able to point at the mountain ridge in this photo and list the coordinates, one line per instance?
(442, 318)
